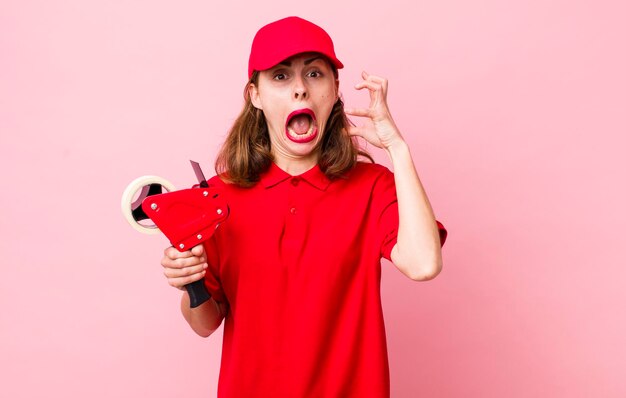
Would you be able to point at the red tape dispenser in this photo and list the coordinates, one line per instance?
(186, 217)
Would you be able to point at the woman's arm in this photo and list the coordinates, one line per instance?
(417, 252)
(182, 269)
(205, 318)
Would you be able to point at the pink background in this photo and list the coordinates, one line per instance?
(516, 115)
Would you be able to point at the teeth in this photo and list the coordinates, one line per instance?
(297, 136)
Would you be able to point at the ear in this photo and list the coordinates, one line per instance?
(253, 92)
(336, 90)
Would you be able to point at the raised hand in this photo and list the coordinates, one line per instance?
(380, 130)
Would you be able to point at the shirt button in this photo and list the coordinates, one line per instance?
(293, 210)
(295, 181)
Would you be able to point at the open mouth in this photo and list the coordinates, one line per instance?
(301, 126)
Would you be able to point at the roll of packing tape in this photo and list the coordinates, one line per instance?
(135, 193)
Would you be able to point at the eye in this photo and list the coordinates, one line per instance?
(279, 76)
(315, 73)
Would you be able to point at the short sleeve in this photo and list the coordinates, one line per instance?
(386, 200)
(212, 277)
(385, 209)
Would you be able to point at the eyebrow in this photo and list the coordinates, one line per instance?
(306, 62)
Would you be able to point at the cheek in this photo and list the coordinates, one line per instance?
(272, 119)
(330, 98)
(329, 103)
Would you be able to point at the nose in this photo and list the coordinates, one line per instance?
(300, 89)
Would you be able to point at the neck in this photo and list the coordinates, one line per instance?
(295, 166)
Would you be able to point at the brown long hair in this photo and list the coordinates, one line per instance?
(246, 153)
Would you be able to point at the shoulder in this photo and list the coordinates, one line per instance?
(234, 191)
(365, 171)
(222, 182)
(221, 185)
(365, 177)
(216, 181)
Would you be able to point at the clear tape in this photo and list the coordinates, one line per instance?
(129, 194)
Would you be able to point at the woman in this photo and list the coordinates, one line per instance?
(295, 270)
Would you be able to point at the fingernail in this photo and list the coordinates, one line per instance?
(205, 266)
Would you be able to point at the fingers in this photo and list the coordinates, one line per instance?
(357, 131)
(352, 131)
(377, 87)
(358, 112)
(370, 85)
(175, 259)
(198, 250)
(182, 268)
(372, 82)
(173, 254)
(184, 271)
(179, 277)
(377, 79)
(380, 129)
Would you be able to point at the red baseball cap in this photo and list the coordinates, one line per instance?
(279, 40)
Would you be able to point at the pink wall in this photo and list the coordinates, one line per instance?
(515, 112)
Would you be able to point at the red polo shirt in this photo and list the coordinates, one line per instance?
(298, 261)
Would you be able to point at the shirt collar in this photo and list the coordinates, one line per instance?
(275, 175)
